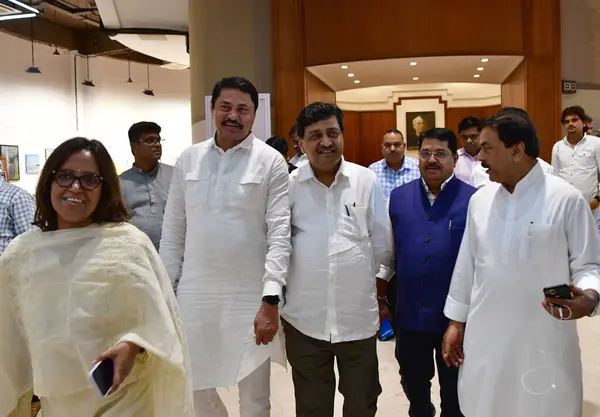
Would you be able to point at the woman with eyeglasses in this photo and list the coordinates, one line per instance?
(83, 288)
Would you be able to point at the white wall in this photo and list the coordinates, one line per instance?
(37, 111)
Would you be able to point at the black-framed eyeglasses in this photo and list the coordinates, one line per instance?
(88, 182)
(426, 155)
(151, 141)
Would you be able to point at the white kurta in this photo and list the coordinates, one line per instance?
(519, 360)
(228, 216)
(68, 296)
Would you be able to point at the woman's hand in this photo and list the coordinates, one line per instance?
(123, 356)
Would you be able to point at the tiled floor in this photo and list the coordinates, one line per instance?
(393, 402)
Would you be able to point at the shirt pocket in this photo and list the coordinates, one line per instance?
(536, 241)
(585, 158)
(197, 188)
(353, 223)
(246, 192)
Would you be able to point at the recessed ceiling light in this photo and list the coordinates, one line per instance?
(344, 66)
(356, 81)
(480, 69)
(484, 60)
(415, 78)
(350, 75)
(413, 63)
(476, 76)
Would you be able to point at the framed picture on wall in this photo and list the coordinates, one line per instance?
(11, 153)
(417, 122)
(32, 164)
(3, 167)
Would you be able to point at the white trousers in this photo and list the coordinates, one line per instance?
(255, 393)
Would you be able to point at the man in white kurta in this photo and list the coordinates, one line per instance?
(227, 227)
(524, 232)
(479, 176)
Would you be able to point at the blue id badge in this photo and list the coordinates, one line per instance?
(386, 332)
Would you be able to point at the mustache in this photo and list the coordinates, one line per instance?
(233, 123)
(485, 165)
(324, 149)
(432, 166)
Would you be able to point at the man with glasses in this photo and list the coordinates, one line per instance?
(427, 220)
(145, 186)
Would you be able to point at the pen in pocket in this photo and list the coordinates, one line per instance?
(347, 211)
(450, 225)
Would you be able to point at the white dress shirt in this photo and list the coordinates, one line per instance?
(338, 240)
(464, 165)
(228, 220)
(579, 165)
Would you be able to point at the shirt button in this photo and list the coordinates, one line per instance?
(430, 219)
(427, 240)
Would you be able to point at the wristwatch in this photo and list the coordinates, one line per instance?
(271, 299)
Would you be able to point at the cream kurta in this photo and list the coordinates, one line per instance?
(519, 360)
(68, 296)
(228, 216)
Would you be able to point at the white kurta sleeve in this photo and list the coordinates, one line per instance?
(378, 223)
(555, 159)
(388, 267)
(277, 218)
(583, 241)
(172, 243)
(458, 301)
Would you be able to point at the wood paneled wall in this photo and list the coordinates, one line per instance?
(514, 88)
(317, 90)
(363, 131)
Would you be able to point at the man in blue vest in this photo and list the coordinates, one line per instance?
(427, 218)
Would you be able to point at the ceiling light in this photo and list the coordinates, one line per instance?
(480, 69)
(484, 60)
(356, 81)
(476, 76)
(350, 75)
(148, 92)
(415, 78)
(88, 83)
(33, 70)
(344, 66)
(25, 6)
(413, 63)
(18, 16)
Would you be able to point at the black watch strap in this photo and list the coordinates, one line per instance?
(271, 299)
(597, 198)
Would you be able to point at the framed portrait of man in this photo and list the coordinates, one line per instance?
(417, 122)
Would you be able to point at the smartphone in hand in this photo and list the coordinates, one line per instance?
(558, 291)
(101, 377)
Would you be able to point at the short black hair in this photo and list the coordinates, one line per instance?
(443, 135)
(514, 126)
(469, 122)
(316, 112)
(393, 131)
(236, 83)
(278, 143)
(293, 131)
(574, 111)
(137, 130)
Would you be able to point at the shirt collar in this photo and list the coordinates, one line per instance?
(402, 168)
(443, 184)
(305, 171)
(245, 144)
(141, 171)
(462, 152)
(528, 180)
(581, 141)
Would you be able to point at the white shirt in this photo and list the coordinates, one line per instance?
(480, 177)
(228, 220)
(464, 165)
(338, 239)
(579, 165)
(298, 160)
(430, 195)
(543, 234)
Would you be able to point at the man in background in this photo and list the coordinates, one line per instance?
(576, 158)
(331, 313)
(299, 158)
(427, 220)
(394, 170)
(280, 145)
(469, 129)
(17, 210)
(145, 186)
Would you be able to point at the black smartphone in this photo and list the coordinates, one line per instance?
(558, 291)
(101, 376)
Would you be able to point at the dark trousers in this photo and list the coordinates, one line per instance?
(415, 352)
(391, 295)
(312, 362)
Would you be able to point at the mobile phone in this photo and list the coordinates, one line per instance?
(386, 332)
(558, 291)
(101, 377)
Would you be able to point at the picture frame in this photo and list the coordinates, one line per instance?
(432, 109)
(11, 154)
(32, 164)
(417, 122)
(3, 168)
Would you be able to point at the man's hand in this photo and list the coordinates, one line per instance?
(123, 356)
(452, 344)
(582, 304)
(384, 312)
(266, 323)
(594, 204)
